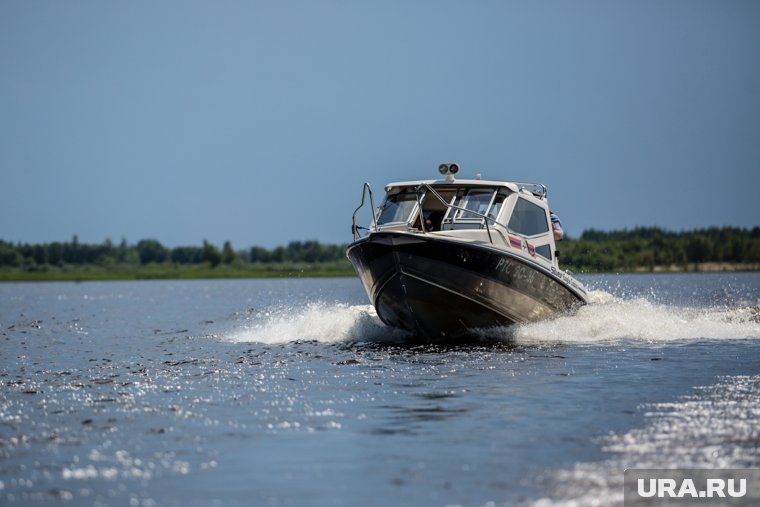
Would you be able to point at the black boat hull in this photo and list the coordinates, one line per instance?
(440, 288)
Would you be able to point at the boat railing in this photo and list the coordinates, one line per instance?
(366, 189)
(537, 189)
(435, 194)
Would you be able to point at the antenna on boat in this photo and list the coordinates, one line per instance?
(449, 170)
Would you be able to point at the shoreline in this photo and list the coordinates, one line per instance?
(94, 274)
(157, 272)
(702, 267)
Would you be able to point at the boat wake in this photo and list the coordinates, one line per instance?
(320, 322)
(610, 319)
(606, 319)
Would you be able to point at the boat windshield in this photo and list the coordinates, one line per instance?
(475, 199)
(497, 203)
(398, 207)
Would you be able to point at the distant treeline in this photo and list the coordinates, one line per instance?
(647, 247)
(627, 250)
(147, 251)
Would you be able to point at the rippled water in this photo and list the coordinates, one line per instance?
(291, 392)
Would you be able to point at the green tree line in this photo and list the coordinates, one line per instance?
(626, 250)
(151, 251)
(647, 247)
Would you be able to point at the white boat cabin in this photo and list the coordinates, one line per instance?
(507, 215)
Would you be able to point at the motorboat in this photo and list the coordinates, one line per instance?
(447, 258)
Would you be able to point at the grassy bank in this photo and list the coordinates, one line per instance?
(702, 267)
(167, 271)
(692, 267)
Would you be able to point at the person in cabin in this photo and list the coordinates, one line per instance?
(556, 226)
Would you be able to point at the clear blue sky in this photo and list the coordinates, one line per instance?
(259, 121)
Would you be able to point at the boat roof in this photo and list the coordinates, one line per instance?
(537, 189)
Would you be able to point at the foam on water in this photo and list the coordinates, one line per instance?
(605, 319)
(322, 322)
(609, 319)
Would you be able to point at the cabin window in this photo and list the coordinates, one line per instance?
(476, 200)
(528, 219)
(434, 209)
(398, 208)
(545, 251)
(496, 207)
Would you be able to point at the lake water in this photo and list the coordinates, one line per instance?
(292, 393)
